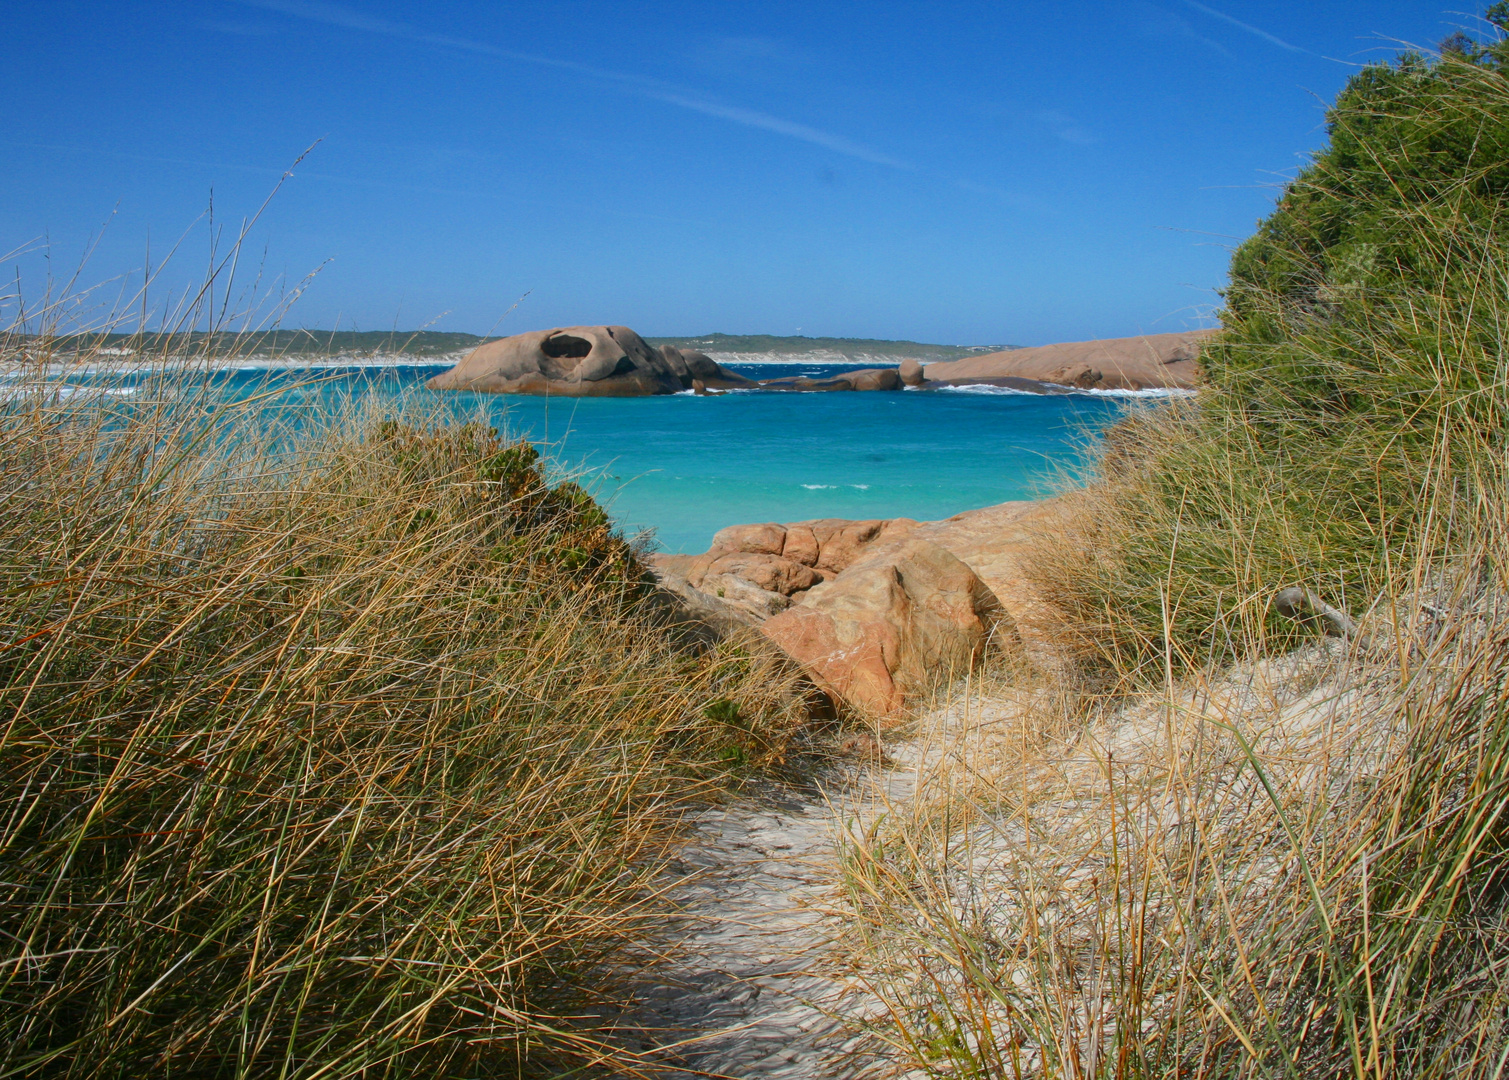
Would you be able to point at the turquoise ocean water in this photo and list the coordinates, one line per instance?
(686, 466)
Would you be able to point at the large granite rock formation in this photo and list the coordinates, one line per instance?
(614, 361)
(875, 610)
(781, 562)
(1155, 361)
(693, 367)
(582, 361)
(573, 361)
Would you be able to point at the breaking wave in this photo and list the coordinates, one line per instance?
(987, 388)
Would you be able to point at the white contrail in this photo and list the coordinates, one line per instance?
(654, 89)
(1265, 35)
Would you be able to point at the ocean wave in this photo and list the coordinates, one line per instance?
(1154, 392)
(217, 365)
(56, 393)
(819, 487)
(987, 388)
(335, 363)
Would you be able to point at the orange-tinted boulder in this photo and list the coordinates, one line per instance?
(890, 626)
(764, 539)
(769, 572)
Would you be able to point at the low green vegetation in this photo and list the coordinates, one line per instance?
(858, 349)
(1352, 440)
(304, 344)
(340, 762)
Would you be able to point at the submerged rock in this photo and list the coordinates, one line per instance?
(863, 379)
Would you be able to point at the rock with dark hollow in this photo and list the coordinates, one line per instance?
(573, 361)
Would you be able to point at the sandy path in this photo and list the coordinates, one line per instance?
(750, 985)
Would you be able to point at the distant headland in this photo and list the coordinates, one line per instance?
(443, 345)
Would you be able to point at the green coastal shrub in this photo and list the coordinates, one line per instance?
(1355, 402)
(337, 763)
(1350, 438)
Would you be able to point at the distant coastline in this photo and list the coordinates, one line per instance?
(433, 346)
(797, 349)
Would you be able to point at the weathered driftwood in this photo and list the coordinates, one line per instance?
(1304, 606)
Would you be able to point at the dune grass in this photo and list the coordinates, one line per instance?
(343, 758)
(1219, 843)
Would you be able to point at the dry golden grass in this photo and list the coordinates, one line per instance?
(1216, 843)
(339, 758)
(1291, 867)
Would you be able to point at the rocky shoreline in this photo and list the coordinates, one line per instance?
(614, 361)
(878, 611)
(1145, 362)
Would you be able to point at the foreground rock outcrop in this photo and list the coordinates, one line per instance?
(890, 626)
(877, 611)
(1150, 362)
(582, 361)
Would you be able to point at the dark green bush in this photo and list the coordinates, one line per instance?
(1355, 403)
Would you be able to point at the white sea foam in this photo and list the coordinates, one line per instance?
(986, 388)
(1158, 392)
(112, 391)
(860, 487)
(56, 393)
(328, 363)
(819, 487)
(200, 364)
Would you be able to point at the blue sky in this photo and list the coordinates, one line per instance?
(962, 173)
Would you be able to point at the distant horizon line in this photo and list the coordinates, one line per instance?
(713, 338)
(717, 337)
